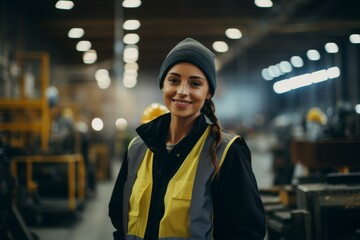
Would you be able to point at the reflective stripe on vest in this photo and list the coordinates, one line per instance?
(188, 204)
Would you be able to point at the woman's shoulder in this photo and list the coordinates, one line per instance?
(136, 144)
(231, 136)
(233, 140)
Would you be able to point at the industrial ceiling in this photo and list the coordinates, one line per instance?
(269, 35)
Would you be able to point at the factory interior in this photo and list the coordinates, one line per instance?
(77, 77)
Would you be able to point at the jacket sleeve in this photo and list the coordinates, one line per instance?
(116, 201)
(238, 209)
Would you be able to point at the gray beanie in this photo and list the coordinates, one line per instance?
(191, 51)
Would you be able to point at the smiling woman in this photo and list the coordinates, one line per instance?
(183, 176)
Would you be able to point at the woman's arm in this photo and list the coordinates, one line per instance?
(238, 209)
(116, 201)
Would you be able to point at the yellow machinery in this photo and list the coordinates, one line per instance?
(25, 126)
(27, 117)
(76, 174)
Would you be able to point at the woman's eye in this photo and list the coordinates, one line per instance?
(196, 84)
(173, 80)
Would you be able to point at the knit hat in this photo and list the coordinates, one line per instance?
(191, 51)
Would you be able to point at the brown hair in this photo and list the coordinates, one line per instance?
(209, 110)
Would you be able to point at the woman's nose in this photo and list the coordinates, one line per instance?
(182, 89)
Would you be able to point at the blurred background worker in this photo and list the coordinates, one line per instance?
(153, 111)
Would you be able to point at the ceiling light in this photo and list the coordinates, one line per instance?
(76, 33)
(131, 38)
(220, 46)
(83, 46)
(331, 47)
(282, 86)
(274, 71)
(131, 24)
(233, 33)
(313, 55)
(319, 76)
(333, 72)
(297, 61)
(104, 83)
(129, 81)
(101, 74)
(354, 38)
(121, 124)
(131, 54)
(131, 66)
(90, 56)
(266, 75)
(64, 5)
(357, 108)
(263, 3)
(131, 3)
(97, 124)
(285, 66)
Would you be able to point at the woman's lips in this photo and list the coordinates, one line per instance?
(181, 103)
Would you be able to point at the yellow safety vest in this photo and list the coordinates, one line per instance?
(188, 205)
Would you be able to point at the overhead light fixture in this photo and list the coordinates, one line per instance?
(131, 24)
(285, 66)
(263, 3)
(333, 72)
(131, 38)
(306, 79)
(233, 33)
(331, 47)
(104, 83)
(83, 46)
(97, 124)
(266, 74)
(131, 54)
(357, 108)
(313, 55)
(90, 56)
(220, 46)
(354, 38)
(64, 5)
(76, 33)
(121, 123)
(129, 81)
(131, 3)
(274, 71)
(101, 74)
(296, 61)
(131, 66)
(103, 79)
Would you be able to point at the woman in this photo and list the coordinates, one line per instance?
(184, 177)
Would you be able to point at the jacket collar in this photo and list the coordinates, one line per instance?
(155, 132)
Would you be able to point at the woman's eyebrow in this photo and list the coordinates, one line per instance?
(191, 77)
(197, 77)
(174, 73)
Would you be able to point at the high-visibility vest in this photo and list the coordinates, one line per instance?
(188, 204)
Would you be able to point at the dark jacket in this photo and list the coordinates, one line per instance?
(238, 210)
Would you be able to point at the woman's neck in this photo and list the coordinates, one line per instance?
(179, 128)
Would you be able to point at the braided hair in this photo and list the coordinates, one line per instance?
(209, 110)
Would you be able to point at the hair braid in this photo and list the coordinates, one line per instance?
(215, 131)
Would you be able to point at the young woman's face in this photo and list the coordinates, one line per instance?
(185, 90)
